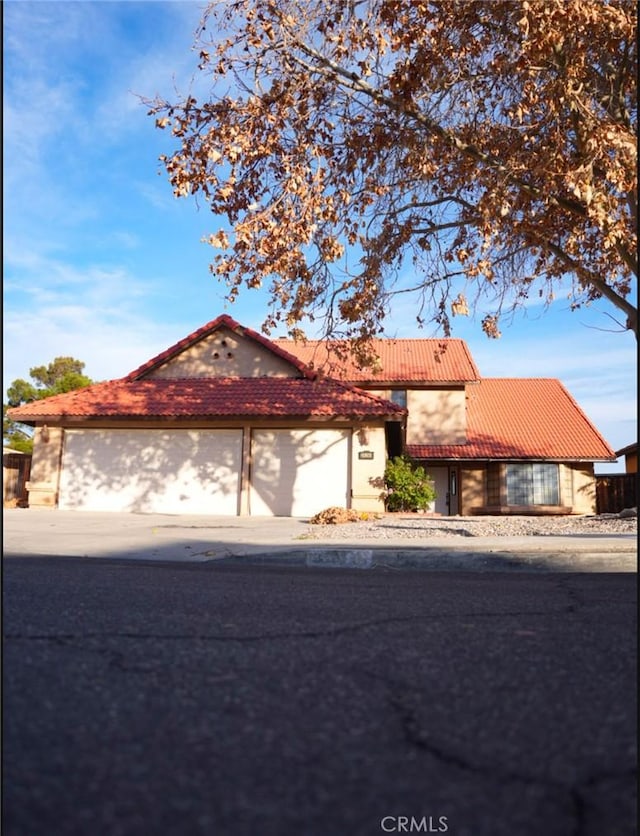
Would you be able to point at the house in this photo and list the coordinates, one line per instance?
(617, 492)
(223, 422)
(228, 422)
(491, 445)
(630, 453)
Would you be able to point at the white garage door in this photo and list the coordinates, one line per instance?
(152, 471)
(298, 472)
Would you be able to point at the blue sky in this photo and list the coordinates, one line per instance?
(101, 262)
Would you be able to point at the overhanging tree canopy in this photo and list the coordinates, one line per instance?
(469, 152)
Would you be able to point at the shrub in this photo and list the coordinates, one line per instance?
(408, 486)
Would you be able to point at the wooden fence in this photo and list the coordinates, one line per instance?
(615, 492)
(16, 468)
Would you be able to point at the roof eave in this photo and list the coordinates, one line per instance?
(519, 458)
(349, 415)
(630, 448)
(412, 382)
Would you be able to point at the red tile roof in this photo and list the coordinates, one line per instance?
(212, 398)
(530, 418)
(424, 361)
(222, 321)
(506, 417)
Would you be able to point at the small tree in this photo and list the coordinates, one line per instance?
(63, 374)
(409, 488)
(15, 436)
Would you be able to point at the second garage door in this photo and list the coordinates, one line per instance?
(298, 472)
(152, 471)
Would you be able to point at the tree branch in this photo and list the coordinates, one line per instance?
(354, 82)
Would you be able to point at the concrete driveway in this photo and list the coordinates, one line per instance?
(196, 538)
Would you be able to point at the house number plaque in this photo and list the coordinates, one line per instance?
(365, 454)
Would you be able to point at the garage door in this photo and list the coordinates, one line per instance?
(298, 472)
(152, 471)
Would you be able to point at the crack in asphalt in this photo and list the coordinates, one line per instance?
(581, 794)
(65, 638)
(578, 793)
(576, 796)
(576, 601)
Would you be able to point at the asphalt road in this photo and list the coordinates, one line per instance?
(179, 700)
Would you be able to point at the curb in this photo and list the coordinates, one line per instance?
(437, 560)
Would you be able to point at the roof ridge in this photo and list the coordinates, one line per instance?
(401, 359)
(515, 377)
(176, 348)
(204, 330)
(375, 339)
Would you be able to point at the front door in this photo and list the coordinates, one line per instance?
(445, 480)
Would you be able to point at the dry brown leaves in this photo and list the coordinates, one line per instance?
(486, 148)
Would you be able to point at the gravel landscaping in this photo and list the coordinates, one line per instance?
(416, 525)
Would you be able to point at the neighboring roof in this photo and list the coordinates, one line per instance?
(222, 321)
(630, 448)
(530, 418)
(400, 361)
(277, 397)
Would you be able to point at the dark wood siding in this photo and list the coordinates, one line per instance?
(615, 492)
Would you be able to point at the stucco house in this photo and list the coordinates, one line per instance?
(228, 422)
(491, 445)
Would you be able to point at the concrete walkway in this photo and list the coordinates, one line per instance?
(292, 541)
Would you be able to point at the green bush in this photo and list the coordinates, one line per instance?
(408, 486)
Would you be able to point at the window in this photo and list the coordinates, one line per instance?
(399, 397)
(532, 484)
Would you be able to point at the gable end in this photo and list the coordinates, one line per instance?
(222, 348)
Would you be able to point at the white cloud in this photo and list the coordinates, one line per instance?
(69, 90)
(55, 308)
(111, 338)
(103, 314)
(107, 349)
